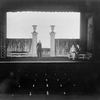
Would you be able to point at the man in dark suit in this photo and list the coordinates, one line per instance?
(39, 49)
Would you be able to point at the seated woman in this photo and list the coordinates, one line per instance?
(72, 52)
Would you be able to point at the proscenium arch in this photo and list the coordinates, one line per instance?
(49, 5)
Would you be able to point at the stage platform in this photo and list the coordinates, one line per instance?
(40, 60)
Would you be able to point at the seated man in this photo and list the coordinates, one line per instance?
(78, 50)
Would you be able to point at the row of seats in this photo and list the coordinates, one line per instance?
(49, 79)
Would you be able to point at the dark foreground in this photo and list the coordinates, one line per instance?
(52, 97)
(71, 80)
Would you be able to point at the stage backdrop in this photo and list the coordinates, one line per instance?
(19, 45)
(62, 46)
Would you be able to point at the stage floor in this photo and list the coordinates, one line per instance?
(40, 59)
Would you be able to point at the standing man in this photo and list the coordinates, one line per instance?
(39, 49)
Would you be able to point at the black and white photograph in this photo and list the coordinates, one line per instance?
(49, 49)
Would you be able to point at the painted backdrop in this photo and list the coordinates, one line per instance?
(19, 45)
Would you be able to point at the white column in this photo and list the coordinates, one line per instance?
(52, 42)
(34, 41)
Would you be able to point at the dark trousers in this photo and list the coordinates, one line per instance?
(39, 54)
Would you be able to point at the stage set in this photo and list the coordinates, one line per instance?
(28, 47)
(60, 49)
(55, 75)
